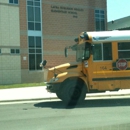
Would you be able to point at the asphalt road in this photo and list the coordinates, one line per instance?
(54, 115)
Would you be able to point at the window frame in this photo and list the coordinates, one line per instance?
(34, 25)
(34, 32)
(14, 3)
(83, 47)
(102, 53)
(78, 52)
(123, 50)
(100, 16)
(15, 51)
(35, 53)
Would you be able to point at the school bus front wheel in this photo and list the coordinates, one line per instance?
(58, 94)
(73, 92)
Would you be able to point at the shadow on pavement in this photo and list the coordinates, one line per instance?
(85, 104)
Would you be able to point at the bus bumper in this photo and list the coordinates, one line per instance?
(53, 88)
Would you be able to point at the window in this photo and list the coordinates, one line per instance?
(100, 20)
(14, 51)
(83, 51)
(34, 15)
(13, 1)
(80, 52)
(97, 52)
(34, 42)
(35, 52)
(102, 51)
(124, 50)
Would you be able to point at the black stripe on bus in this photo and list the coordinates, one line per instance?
(114, 78)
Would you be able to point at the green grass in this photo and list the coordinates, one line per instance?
(22, 85)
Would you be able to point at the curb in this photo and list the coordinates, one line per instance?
(32, 99)
(54, 98)
(110, 95)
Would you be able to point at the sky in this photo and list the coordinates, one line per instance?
(117, 9)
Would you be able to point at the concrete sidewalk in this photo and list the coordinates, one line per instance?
(36, 93)
(29, 93)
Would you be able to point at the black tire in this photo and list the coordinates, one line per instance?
(58, 93)
(74, 91)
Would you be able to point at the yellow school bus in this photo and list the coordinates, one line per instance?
(102, 64)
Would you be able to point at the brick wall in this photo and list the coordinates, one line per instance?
(23, 34)
(54, 52)
(62, 22)
(22, 12)
(59, 31)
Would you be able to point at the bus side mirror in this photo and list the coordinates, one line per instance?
(66, 52)
(43, 63)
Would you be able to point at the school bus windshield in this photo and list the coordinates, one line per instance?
(83, 51)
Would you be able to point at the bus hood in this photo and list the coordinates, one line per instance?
(67, 67)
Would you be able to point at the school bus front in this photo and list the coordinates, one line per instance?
(102, 63)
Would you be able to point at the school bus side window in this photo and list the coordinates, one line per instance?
(124, 50)
(97, 52)
(102, 51)
(107, 51)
